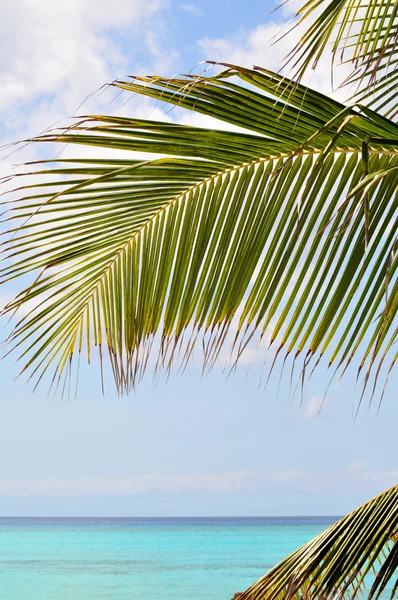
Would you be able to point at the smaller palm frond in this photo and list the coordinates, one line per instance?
(361, 32)
(341, 562)
(275, 228)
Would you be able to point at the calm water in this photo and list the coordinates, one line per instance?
(160, 559)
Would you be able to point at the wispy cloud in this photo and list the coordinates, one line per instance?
(354, 477)
(131, 485)
(191, 8)
(314, 408)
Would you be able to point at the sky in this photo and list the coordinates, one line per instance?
(186, 446)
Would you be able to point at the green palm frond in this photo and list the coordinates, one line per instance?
(285, 227)
(359, 549)
(361, 32)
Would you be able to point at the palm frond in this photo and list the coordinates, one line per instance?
(229, 235)
(340, 562)
(361, 32)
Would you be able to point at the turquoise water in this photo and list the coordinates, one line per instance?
(160, 559)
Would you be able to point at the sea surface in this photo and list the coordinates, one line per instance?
(135, 559)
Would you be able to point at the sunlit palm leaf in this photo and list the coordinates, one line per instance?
(361, 32)
(335, 563)
(278, 229)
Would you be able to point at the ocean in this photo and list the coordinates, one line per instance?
(133, 559)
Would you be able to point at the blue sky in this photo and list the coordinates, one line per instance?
(189, 446)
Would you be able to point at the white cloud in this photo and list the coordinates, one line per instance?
(257, 47)
(131, 485)
(46, 43)
(23, 310)
(356, 477)
(315, 408)
(191, 8)
(5, 299)
(290, 7)
(55, 53)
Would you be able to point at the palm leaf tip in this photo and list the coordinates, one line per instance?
(362, 33)
(358, 550)
(231, 235)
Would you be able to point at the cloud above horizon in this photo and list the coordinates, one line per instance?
(355, 477)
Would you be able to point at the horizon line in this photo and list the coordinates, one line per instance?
(328, 516)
